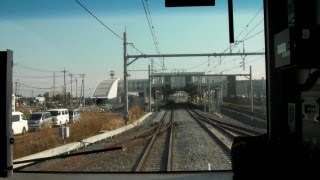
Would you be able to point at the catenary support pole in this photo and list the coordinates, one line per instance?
(125, 81)
(251, 89)
(150, 83)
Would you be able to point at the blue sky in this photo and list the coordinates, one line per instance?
(50, 35)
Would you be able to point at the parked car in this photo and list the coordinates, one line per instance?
(19, 123)
(59, 116)
(74, 115)
(39, 120)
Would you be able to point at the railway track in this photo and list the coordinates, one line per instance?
(156, 157)
(219, 135)
(244, 111)
(176, 143)
(239, 129)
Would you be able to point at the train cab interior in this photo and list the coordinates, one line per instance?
(291, 146)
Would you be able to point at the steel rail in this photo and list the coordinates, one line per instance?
(147, 151)
(169, 159)
(225, 149)
(225, 124)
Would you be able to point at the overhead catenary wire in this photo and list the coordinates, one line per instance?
(243, 30)
(246, 37)
(237, 66)
(252, 19)
(261, 31)
(94, 16)
(252, 29)
(151, 27)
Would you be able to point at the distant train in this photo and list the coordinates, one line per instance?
(179, 97)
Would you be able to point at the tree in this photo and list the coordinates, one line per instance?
(46, 95)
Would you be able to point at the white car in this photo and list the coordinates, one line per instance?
(19, 123)
(59, 116)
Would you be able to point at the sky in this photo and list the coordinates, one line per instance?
(50, 36)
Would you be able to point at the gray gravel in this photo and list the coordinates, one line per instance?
(193, 148)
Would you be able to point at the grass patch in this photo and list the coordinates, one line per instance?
(92, 122)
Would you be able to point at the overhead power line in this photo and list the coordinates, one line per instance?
(32, 68)
(252, 29)
(249, 23)
(246, 37)
(94, 16)
(103, 24)
(152, 31)
(253, 35)
(43, 88)
(36, 77)
(243, 30)
(151, 27)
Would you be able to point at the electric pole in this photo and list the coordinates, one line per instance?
(71, 83)
(54, 84)
(76, 89)
(65, 87)
(71, 98)
(82, 98)
(150, 83)
(125, 74)
(16, 88)
(125, 81)
(251, 89)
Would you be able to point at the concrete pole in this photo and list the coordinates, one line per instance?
(71, 84)
(16, 91)
(150, 83)
(54, 84)
(263, 96)
(209, 96)
(84, 99)
(125, 81)
(71, 97)
(251, 89)
(204, 101)
(156, 100)
(65, 88)
(76, 89)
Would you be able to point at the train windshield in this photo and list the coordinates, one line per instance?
(159, 89)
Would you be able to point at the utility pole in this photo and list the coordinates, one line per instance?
(71, 97)
(71, 83)
(263, 96)
(209, 96)
(65, 87)
(54, 84)
(76, 89)
(251, 89)
(82, 91)
(125, 81)
(204, 101)
(152, 65)
(16, 88)
(150, 83)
